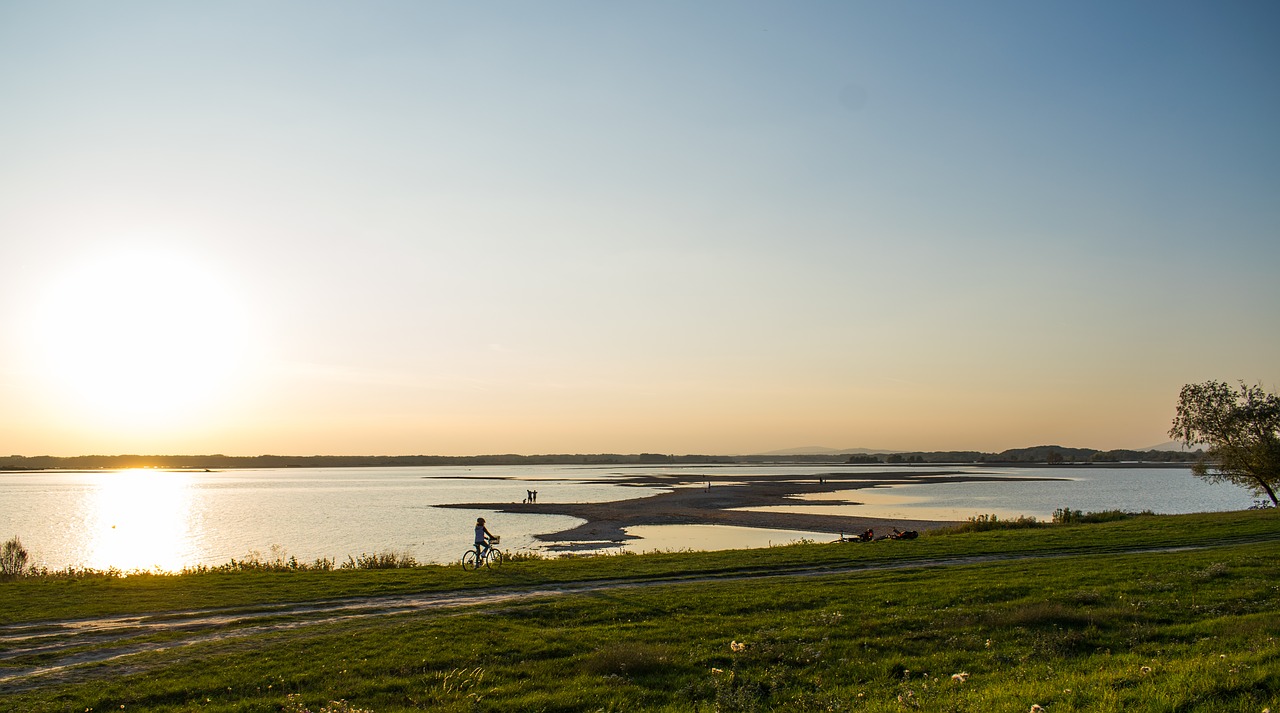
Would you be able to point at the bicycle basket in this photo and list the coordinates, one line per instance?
(495, 540)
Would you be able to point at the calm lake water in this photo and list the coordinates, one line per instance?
(144, 519)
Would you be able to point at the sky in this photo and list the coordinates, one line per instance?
(582, 227)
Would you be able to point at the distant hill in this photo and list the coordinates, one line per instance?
(1050, 454)
(817, 451)
(1059, 454)
(1171, 446)
(1045, 453)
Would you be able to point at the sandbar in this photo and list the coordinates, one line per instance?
(701, 499)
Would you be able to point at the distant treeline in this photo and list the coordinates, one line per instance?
(1050, 455)
(275, 461)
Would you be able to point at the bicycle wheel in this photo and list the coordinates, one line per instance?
(496, 558)
(469, 561)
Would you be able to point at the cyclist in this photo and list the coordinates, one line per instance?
(483, 536)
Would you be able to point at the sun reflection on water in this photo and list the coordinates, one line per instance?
(141, 520)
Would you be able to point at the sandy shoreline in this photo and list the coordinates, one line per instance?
(698, 499)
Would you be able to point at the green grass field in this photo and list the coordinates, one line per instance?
(1100, 617)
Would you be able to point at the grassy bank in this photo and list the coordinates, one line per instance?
(1093, 628)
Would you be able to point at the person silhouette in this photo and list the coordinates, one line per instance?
(482, 537)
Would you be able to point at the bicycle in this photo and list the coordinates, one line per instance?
(489, 557)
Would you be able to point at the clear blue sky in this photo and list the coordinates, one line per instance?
(326, 227)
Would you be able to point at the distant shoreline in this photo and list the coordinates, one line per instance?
(1041, 456)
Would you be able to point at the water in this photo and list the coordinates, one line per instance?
(144, 519)
(1160, 490)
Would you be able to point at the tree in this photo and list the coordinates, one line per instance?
(1241, 429)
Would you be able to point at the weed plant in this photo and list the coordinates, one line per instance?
(13, 559)
(986, 523)
(1067, 516)
(524, 556)
(293, 705)
(385, 560)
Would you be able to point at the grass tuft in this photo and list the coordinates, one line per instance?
(1213, 571)
(1067, 516)
(1039, 615)
(986, 523)
(293, 704)
(524, 556)
(383, 560)
(628, 658)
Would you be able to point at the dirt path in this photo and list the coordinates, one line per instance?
(75, 651)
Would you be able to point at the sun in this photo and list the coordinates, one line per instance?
(139, 336)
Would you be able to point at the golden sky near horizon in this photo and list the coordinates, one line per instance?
(316, 228)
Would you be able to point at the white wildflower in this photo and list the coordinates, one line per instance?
(960, 677)
(736, 646)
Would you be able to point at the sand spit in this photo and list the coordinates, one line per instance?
(700, 499)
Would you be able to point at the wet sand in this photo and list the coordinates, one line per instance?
(697, 499)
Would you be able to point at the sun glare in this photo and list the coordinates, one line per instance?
(141, 520)
(139, 336)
